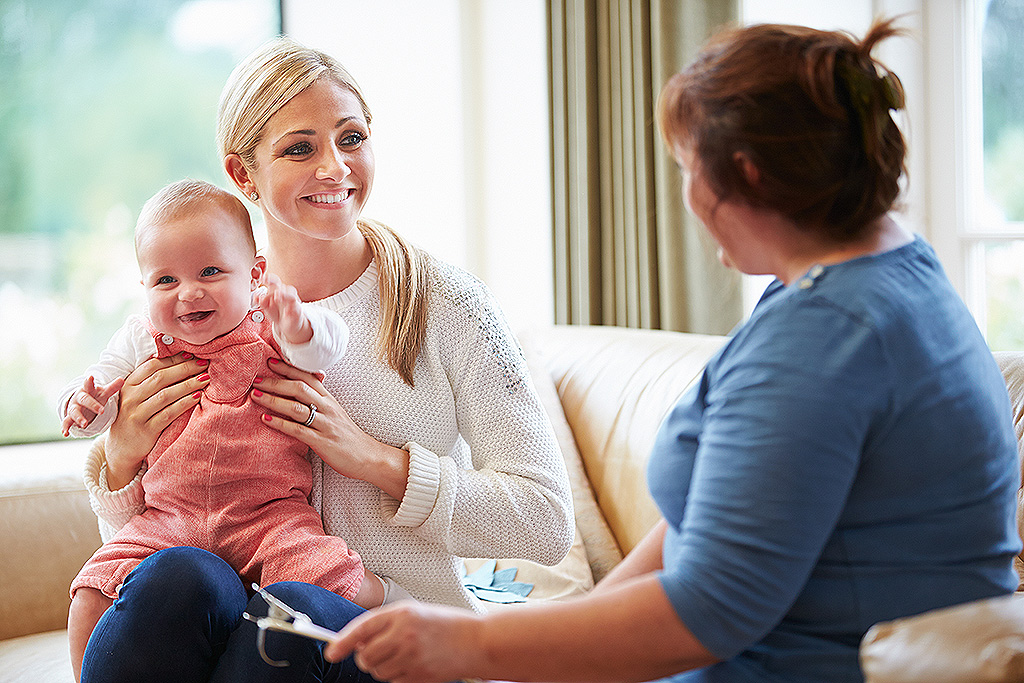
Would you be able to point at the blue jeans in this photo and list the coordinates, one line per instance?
(178, 619)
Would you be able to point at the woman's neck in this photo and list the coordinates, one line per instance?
(884, 235)
(318, 268)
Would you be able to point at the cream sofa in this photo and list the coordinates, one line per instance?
(606, 390)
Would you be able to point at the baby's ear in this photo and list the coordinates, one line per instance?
(256, 286)
(259, 272)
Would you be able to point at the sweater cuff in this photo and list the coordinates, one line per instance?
(420, 490)
(116, 507)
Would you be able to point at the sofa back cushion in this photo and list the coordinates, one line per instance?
(1012, 365)
(47, 532)
(616, 385)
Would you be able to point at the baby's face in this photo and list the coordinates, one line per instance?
(199, 272)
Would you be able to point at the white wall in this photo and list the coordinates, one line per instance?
(459, 95)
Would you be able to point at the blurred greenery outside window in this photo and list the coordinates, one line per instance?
(995, 221)
(102, 102)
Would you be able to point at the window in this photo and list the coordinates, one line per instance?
(972, 70)
(101, 103)
(994, 178)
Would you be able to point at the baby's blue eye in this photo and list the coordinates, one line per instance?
(165, 280)
(209, 271)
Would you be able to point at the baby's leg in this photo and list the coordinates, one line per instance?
(293, 547)
(87, 607)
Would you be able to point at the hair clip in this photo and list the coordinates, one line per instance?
(864, 91)
(280, 617)
(892, 91)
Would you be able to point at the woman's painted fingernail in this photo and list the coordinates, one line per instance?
(186, 355)
(203, 362)
(257, 392)
(197, 394)
(204, 377)
(274, 361)
(266, 418)
(257, 380)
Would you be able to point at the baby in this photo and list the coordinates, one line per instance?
(218, 478)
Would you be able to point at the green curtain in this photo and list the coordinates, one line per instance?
(626, 251)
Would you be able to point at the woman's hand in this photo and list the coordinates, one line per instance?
(301, 407)
(410, 642)
(154, 395)
(630, 632)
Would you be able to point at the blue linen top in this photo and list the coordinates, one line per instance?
(847, 457)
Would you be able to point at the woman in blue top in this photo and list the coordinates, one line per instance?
(848, 456)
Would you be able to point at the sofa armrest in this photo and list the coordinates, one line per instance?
(47, 532)
(975, 642)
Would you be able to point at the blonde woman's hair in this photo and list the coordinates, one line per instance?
(256, 90)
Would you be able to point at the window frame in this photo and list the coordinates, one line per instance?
(952, 119)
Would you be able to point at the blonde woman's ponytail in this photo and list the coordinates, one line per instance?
(404, 294)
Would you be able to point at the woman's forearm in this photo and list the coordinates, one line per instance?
(643, 559)
(390, 470)
(629, 632)
(119, 475)
(113, 507)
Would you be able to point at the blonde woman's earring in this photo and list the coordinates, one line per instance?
(254, 195)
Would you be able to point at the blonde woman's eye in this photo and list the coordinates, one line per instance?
(299, 149)
(352, 140)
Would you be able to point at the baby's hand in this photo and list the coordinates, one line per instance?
(282, 305)
(87, 403)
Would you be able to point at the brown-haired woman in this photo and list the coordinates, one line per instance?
(852, 422)
(430, 440)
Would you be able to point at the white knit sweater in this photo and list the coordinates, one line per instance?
(486, 477)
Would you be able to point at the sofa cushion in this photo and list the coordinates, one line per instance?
(601, 549)
(976, 642)
(1012, 366)
(34, 658)
(47, 532)
(616, 385)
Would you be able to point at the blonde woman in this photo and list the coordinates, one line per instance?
(430, 443)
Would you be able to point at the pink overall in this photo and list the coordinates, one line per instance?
(222, 480)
